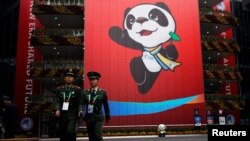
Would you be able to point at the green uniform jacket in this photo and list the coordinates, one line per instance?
(100, 99)
(74, 92)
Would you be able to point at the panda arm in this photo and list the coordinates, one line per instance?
(170, 52)
(121, 37)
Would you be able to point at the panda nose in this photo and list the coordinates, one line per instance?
(141, 20)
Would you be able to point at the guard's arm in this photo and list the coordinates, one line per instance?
(57, 99)
(83, 100)
(80, 100)
(106, 106)
(57, 102)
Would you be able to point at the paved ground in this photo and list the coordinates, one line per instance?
(131, 138)
(148, 138)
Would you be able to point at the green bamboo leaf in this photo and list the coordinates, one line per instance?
(174, 36)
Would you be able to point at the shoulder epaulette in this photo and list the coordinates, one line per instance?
(77, 87)
(102, 90)
(60, 87)
(86, 90)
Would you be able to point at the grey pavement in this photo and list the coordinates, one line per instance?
(146, 138)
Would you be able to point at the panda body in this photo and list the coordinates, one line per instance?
(150, 63)
(147, 27)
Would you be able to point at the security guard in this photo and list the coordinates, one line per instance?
(68, 106)
(93, 99)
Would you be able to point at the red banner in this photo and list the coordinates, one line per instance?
(229, 88)
(26, 54)
(149, 55)
(228, 61)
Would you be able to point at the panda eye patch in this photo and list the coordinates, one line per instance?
(158, 16)
(130, 21)
(153, 17)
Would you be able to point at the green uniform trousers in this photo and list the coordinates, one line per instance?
(94, 130)
(68, 129)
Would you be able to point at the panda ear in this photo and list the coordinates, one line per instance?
(126, 12)
(163, 6)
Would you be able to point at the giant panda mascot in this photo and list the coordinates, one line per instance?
(147, 27)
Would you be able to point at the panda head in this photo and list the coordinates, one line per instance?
(161, 127)
(149, 24)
